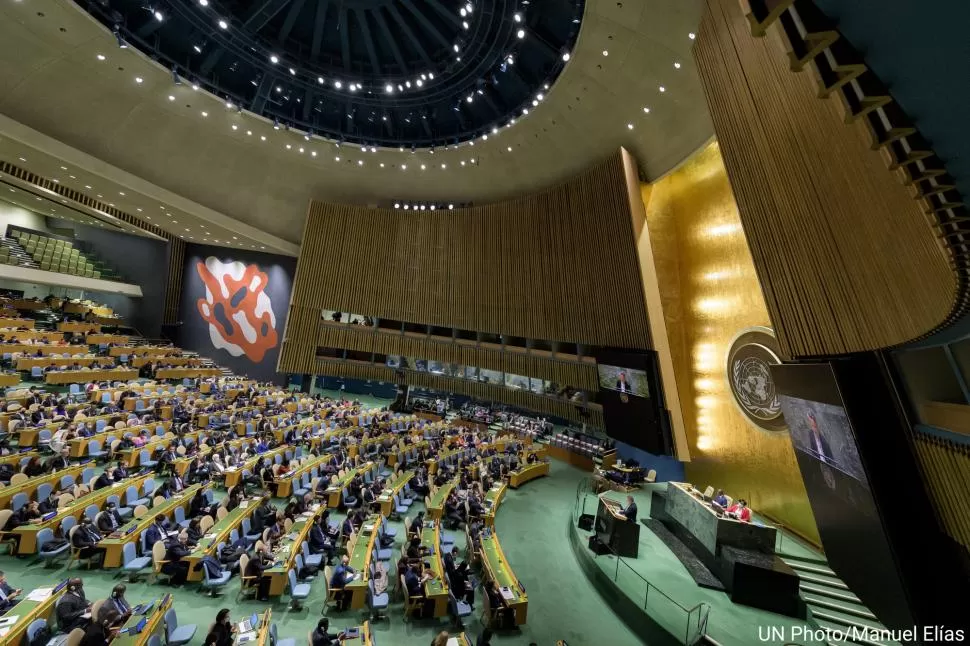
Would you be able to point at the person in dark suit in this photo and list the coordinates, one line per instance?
(101, 631)
(155, 532)
(72, 607)
(175, 550)
(106, 479)
(85, 538)
(108, 520)
(34, 468)
(199, 505)
(60, 461)
(8, 595)
(818, 442)
(320, 542)
(221, 633)
(254, 569)
(623, 385)
(176, 484)
(630, 513)
(120, 471)
(321, 635)
(342, 575)
(485, 638)
(49, 504)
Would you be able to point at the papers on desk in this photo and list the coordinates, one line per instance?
(7, 622)
(247, 637)
(507, 594)
(452, 641)
(368, 528)
(210, 536)
(244, 504)
(40, 594)
(315, 506)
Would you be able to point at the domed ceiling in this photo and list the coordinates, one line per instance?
(376, 72)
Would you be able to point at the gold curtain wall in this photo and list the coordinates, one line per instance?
(709, 292)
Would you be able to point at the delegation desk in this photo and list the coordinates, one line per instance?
(29, 486)
(332, 493)
(528, 472)
(7, 322)
(234, 474)
(28, 533)
(436, 502)
(79, 445)
(131, 531)
(363, 638)
(84, 376)
(219, 533)
(394, 487)
(154, 624)
(14, 459)
(284, 484)
(186, 373)
(8, 379)
(140, 350)
(138, 362)
(360, 557)
(497, 569)
(73, 307)
(36, 336)
(44, 349)
(261, 636)
(493, 498)
(435, 588)
(131, 457)
(78, 326)
(106, 339)
(27, 363)
(289, 546)
(27, 611)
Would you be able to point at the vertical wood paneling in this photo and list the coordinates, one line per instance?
(846, 259)
(946, 467)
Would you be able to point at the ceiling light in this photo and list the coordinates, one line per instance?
(205, 114)
(249, 133)
(509, 149)
(195, 86)
(472, 160)
(517, 17)
(397, 205)
(692, 35)
(534, 102)
(565, 56)
(469, 98)
(407, 207)
(662, 88)
(464, 24)
(404, 166)
(121, 41)
(223, 24)
(360, 162)
(419, 82)
(520, 33)
(139, 80)
(336, 158)
(373, 149)
(228, 105)
(121, 193)
(468, 7)
(451, 206)
(422, 207)
(262, 137)
(353, 87)
(313, 153)
(101, 57)
(606, 52)
(462, 12)
(525, 111)
(430, 76)
(676, 66)
(389, 88)
(455, 47)
(629, 126)
(338, 84)
(289, 147)
(204, 3)
(382, 164)
(274, 59)
(463, 162)
(171, 98)
(159, 16)
(444, 166)
(87, 186)
(292, 72)
(320, 80)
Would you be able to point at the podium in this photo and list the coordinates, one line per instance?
(621, 535)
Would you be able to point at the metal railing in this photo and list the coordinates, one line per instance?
(686, 624)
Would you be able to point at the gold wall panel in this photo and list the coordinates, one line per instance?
(710, 292)
(946, 470)
(846, 257)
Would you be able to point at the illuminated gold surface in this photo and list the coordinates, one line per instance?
(709, 292)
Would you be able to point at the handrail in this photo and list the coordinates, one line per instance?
(697, 615)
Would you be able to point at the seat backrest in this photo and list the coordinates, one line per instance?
(18, 478)
(140, 511)
(158, 553)
(292, 578)
(35, 626)
(171, 622)
(19, 500)
(128, 554)
(5, 515)
(75, 636)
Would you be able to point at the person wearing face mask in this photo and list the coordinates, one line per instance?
(85, 538)
(102, 631)
(117, 605)
(73, 610)
(108, 520)
(221, 632)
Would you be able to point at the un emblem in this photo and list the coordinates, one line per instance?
(748, 359)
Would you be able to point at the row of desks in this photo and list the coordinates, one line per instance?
(30, 485)
(84, 376)
(288, 549)
(219, 533)
(29, 611)
(360, 557)
(44, 348)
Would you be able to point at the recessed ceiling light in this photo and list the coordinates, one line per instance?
(338, 84)
(101, 57)
(274, 59)
(382, 164)
(139, 209)
(139, 79)
(629, 126)
(517, 17)
(646, 110)
(320, 80)
(171, 97)
(223, 24)
(520, 33)
(292, 72)
(565, 56)
(235, 127)
(87, 187)
(336, 158)
(205, 114)
(676, 66)
(692, 35)
(360, 162)
(313, 153)
(63, 167)
(509, 148)
(204, 3)
(606, 52)
(662, 88)
(121, 193)
(389, 88)
(159, 16)
(404, 166)
(249, 133)
(262, 137)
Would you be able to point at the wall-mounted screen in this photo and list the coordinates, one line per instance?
(627, 381)
(823, 431)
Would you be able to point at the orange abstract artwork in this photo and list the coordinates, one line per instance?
(237, 308)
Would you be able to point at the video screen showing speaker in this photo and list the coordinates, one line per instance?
(856, 545)
(633, 409)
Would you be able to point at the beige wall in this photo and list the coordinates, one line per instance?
(709, 292)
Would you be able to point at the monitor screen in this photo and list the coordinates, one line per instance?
(629, 381)
(823, 432)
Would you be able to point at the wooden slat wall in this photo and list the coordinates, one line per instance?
(173, 286)
(558, 265)
(946, 467)
(846, 258)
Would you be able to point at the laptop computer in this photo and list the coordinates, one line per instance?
(137, 628)
(248, 624)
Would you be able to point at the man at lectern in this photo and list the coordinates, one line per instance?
(630, 513)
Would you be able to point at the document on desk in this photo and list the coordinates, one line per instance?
(247, 637)
(507, 594)
(452, 641)
(40, 594)
(6, 622)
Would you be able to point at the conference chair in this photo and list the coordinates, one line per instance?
(298, 591)
(158, 561)
(176, 635)
(49, 555)
(131, 563)
(651, 476)
(275, 641)
(75, 636)
(7, 538)
(213, 585)
(412, 605)
(376, 602)
(124, 512)
(330, 595)
(248, 585)
(458, 609)
(35, 627)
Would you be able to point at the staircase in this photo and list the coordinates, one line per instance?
(831, 604)
(11, 253)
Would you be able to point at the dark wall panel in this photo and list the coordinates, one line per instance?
(233, 308)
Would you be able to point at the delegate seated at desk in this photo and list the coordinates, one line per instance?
(73, 610)
(342, 575)
(630, 512)
(8, 595)
(720, 499)
(740, 511)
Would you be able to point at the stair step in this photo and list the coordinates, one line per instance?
(841, 595)
(812, 569)
(823, 580)
(857, 611)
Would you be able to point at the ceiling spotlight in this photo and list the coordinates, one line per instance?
(606, 52)
(451, 206)
(629, 126)
(472, 160)
(517, 17)
(456, 47)
(139, 80)
(676, 66)
(432, 207)
(204, 3)
(404, 166)
(520, 33)
(565, 56)
(525, 111)
(159, 16)
(423, 167)
(276, 124)
(195, 86)
(662, 88)
(336, 158)
(205, 114)
(494, 130)
(171, 97)
(534, 103)
(353, 87)
(223, 24)
(382, 164)
(397, 205)
(407, 207)
(509, 148)
(338, 84)
(228, 104)
(313, 153)
(274, 59)
(422, 207)
(262, 137)
(470, 98)
(430, 76)
(292, 72)
(464, 24)
(692, 35)
(540, 96)
(360, 162)
(101, 57)
(373, 149)
(198, 50)
(389, 88)
(320, 80)
(463, 162)
(646, 110)
(468, 7)
(419, 82)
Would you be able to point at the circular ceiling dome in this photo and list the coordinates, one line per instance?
(402, 73)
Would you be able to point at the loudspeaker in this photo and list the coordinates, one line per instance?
(586, 522)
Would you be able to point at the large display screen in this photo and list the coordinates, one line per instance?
(823, 431)
(626, 381)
